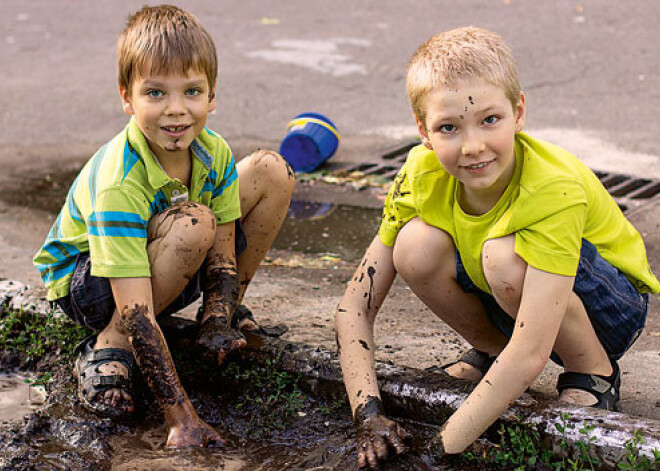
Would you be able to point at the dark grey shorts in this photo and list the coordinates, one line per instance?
(90, 301)
(616, 309)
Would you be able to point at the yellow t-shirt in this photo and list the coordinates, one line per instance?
(552, 202)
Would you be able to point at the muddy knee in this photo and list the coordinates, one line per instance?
(505, 271)
(187, 225)
(422, 251)
(270, 165)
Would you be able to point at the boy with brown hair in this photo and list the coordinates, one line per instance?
(157, 217)
(510, 240)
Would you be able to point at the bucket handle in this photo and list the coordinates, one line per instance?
(303, 121)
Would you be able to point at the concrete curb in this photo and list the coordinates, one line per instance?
(419, 394)
(432, 397)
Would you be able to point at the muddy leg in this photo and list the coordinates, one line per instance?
(266, 183)
(577, 343)
(425, 257)
(178, 241)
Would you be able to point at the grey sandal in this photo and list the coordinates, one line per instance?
(604, 388)
(91, 382)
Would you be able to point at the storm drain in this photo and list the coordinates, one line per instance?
(629, 192)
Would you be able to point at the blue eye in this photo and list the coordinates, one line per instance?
(447, 128)
(492, 119)
(155, 93)
(194, 91)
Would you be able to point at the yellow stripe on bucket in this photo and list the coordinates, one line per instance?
(302, 121)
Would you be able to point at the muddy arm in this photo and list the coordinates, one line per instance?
(220, 280)
(354, 322)
(544, 301)
(133, 297)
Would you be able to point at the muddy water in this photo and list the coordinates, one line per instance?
(324, 228)
(17, 397)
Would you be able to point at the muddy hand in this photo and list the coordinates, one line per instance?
(216, 339)
(376, 434)
(199, 434)
(434, 452)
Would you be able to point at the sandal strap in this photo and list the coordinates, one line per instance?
(105, 382)
(106, 355)
(604, 388)
(480, 360)
(241, 313)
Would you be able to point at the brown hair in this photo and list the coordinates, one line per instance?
(164, 39)
(462, 54)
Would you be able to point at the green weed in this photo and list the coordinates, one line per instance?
(634, 460)
(269, 396)
(520, 448)
(34, 336)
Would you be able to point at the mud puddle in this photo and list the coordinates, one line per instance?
(18, 397)
(312, 228)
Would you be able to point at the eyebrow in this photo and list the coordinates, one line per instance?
(156, 83)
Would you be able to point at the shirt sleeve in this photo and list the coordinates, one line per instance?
(399, 207)
(552, 237)
(117, 231)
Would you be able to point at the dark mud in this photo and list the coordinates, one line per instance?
(321, 228)
(319, 434)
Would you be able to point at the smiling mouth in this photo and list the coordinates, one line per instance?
(175, 129)
(478, 166)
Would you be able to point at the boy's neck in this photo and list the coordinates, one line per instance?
(177, 165)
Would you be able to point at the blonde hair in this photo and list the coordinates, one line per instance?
(164, 39)
(462, 54)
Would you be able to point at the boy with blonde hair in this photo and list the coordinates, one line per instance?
(510, 240)
(157, 217)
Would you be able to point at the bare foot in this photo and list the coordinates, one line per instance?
(578, 397)
(200, 434)
(462, 370)
(117, 397)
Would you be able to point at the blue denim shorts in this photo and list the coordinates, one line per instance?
(616, 309)
(90, 301)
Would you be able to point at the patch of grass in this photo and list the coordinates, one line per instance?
(34, 336)
(269, 396)
(520, 448)
(634, 460)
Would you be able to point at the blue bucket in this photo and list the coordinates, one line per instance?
(311, 139)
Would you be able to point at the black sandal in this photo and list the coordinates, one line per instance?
(242, 313)
(91, 383)
(473, 357)
(604, 388)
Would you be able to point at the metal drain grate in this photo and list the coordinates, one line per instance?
(629, 192)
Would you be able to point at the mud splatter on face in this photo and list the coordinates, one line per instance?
(471, 100)
(152, 355)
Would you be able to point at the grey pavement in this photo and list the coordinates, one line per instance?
(591, 71)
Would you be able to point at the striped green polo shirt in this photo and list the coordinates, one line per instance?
(119, 189)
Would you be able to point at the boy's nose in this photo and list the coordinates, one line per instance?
(472, 147)
(175, 105)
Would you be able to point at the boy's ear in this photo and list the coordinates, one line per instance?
(424, 136)
(126, 100)
(212, 98)
(519, 112)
